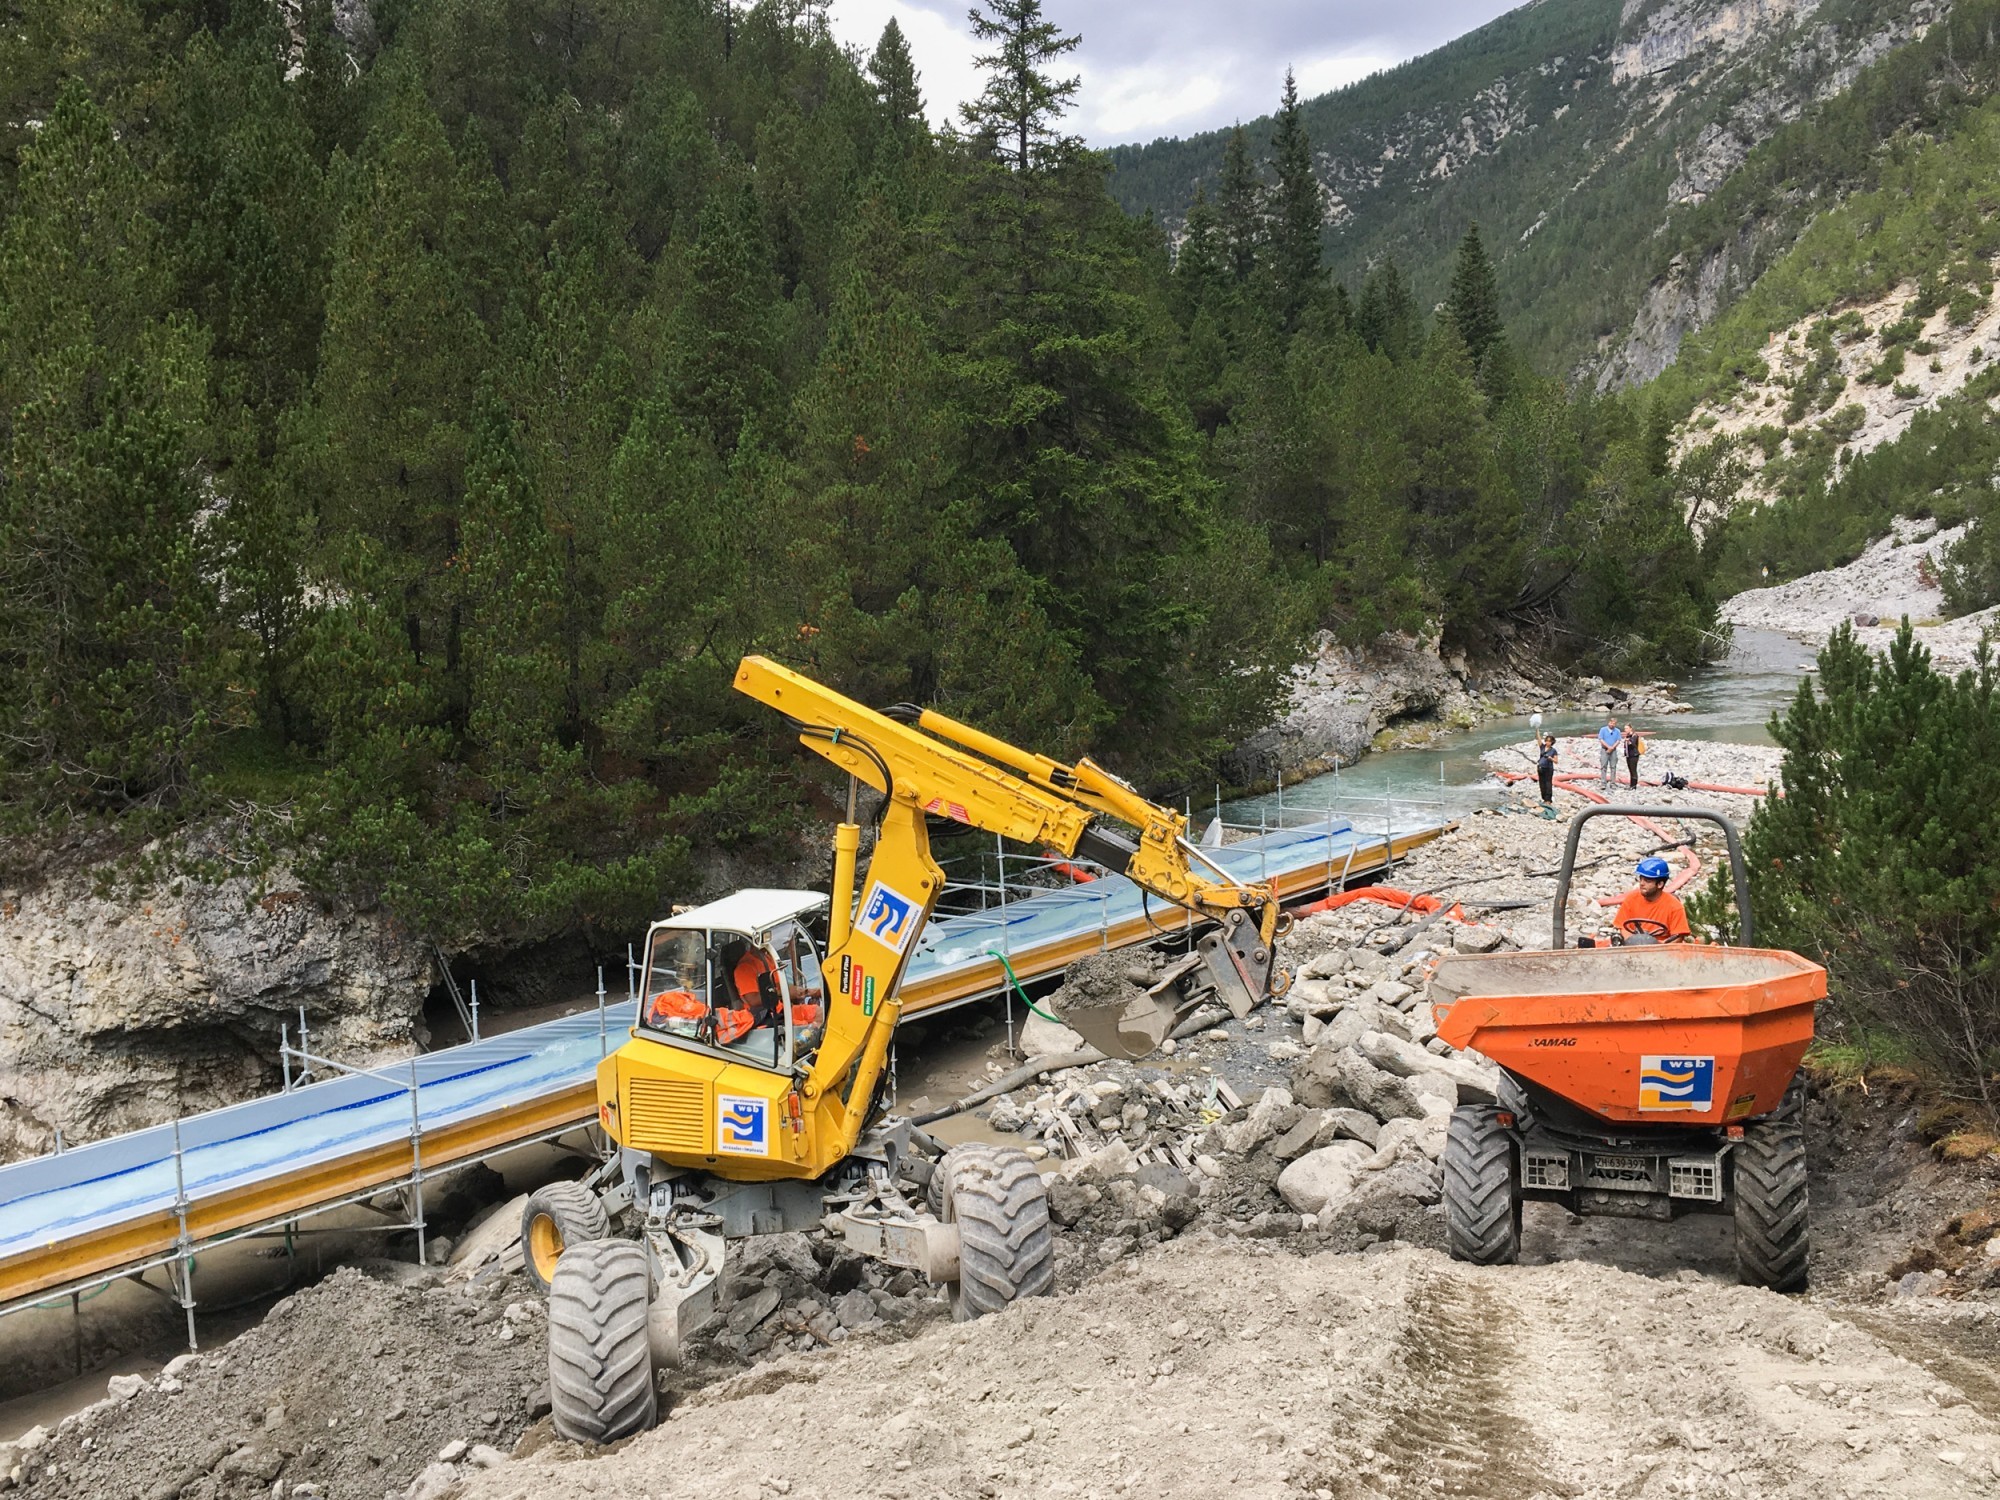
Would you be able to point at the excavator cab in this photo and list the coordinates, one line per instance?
(738, 979)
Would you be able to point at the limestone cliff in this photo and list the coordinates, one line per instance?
(117, 1011)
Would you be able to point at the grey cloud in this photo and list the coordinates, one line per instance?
(1176, 67)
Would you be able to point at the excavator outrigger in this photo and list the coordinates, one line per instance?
(747, 1100)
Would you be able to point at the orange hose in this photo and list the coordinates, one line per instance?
(1570, 784)
(1386, 896)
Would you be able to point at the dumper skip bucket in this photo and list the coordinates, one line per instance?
(1678, 1034)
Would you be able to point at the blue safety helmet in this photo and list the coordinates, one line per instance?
(1652, 867)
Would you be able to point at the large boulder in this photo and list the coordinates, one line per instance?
(1471, 1083)
(1331, 1077)
(1323, 1178)
(1041, 1037)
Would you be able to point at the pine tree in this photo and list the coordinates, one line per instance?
(1296, 214)
(1473, 306)
(323, 78)
(1387, 318)
(1201, 265)
(1021, 103)
(1237, 207)
(722, 337)
(895, 75)
(113, 652)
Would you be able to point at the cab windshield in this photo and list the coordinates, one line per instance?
(755, 999)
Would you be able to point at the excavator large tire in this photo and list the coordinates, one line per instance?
(600, 1368)
(1006, 1249)
(1772, 1238)
(554, 1218)
(1482, 1188)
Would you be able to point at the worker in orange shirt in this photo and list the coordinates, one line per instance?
(760, 1000)
(1648, 912)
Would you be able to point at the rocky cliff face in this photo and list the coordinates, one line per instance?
(1813, 63)
(1347, 700)
(1568, 124)
(1659, 37)
(116, 1012)
(1681, 302)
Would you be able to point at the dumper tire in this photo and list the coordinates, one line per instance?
(1773, 1238)
(554, 1218)
(1482, 1188)
(600, 1364)
(1006, 1249)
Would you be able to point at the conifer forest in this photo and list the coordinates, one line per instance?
(405, 433)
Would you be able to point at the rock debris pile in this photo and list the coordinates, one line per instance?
(800, 1292)
(1345, 1150)
(352, 1387)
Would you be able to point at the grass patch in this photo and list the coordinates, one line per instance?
(1860, 1061)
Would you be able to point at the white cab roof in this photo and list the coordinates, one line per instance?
(752, 911)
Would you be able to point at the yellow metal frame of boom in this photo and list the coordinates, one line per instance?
(939, 767)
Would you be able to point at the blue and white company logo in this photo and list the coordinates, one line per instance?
(742, 1125)
(889, 918)
(1677, 1083)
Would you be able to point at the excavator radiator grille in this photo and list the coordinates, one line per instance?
(667, 1114)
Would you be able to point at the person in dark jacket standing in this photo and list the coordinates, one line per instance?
(1545, 773)
(1632, 748)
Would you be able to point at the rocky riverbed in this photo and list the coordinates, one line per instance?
(1897, 577)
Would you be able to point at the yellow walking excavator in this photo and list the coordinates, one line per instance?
(747, 1100)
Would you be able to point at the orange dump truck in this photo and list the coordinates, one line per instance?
(1642, 1081)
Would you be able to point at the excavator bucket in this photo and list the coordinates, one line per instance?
(1231, 965)
(1130, 1022)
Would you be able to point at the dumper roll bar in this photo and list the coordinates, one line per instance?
(1739, 872)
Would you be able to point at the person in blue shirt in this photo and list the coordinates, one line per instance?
(1609, 738)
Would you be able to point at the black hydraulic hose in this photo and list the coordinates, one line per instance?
(848, 737)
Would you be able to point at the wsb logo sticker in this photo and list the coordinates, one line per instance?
(889, 918)
(1677, 1083)
(742, 1125)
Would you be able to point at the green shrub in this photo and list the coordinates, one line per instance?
(1890, 367)
(1877, 860)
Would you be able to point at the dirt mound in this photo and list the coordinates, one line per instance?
(1209, 1368)
(347, 1389)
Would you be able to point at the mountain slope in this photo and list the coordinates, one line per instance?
(1581, 135)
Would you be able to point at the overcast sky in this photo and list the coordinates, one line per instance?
(1177, 67)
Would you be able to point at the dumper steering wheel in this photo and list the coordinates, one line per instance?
(1648, 930)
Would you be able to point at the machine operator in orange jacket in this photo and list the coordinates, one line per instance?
(1648, 911)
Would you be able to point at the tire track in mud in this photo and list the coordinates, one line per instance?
(1450, 1426)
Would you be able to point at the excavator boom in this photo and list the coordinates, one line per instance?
(926, 763)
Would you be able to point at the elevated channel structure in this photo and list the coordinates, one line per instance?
(153, 1199)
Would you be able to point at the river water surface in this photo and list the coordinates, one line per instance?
(1733, 701)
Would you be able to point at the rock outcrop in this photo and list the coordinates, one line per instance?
(118, 1011)
(1348, 700)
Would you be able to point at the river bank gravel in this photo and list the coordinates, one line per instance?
(1896, 577)
(1500, 864)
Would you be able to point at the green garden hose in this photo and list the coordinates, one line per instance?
(996, 953)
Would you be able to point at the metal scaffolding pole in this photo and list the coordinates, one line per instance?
(185, 1280)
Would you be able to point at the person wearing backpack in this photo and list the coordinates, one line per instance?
(1634, 748)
